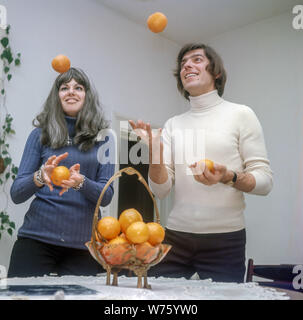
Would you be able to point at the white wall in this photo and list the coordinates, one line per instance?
(265, 71)
(130, 66)
(132, 69)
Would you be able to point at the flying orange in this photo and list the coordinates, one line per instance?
(157, 22)
(61, 63)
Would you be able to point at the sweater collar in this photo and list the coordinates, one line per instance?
(205, 101)
(71, 123)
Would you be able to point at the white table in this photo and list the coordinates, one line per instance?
(162, 289)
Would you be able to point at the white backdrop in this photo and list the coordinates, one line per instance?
(132, 70)
(265, 71)
(130, 67)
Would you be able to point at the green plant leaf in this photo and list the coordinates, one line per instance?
(14, 169)
(7, 161)
(7, 54)
(17, 62)
(4, 41)
(8, 174)
(12, 225)
(10, 231)
(6, 69)
(9, 76)
(2, 91)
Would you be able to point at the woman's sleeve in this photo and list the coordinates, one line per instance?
(23, 186)
(253, 152)
(106, 167)
(92, 189)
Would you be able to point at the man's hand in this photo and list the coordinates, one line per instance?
(152, 138)
(207, 177)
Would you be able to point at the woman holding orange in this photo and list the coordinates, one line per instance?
(58, 221)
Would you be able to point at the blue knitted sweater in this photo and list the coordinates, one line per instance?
(61, 220)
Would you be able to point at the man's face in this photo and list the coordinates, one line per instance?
(195, 79)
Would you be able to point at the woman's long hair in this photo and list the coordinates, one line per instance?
(90, 119)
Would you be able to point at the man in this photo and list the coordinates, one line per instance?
(206, 225)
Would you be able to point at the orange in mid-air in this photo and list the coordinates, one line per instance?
(156, 233)
(59, 174)
(109, 227)
(137, 232)
(157, 22)
(127, 217)
(61, 63)
(209, 164)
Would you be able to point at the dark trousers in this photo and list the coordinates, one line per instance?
(219, 256)
(32, 258)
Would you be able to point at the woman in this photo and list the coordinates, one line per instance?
(58, 221)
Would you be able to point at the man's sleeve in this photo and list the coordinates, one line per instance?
(253, 152)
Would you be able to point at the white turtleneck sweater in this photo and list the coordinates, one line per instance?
(229, 134)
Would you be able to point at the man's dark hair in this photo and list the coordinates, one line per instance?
(215, 67)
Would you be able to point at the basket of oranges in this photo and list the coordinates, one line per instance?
(127, 242)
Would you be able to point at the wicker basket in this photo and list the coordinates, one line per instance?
(137, 258)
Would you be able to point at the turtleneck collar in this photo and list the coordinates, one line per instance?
(71, 122)
(205, 101)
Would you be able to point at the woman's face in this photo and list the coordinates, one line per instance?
(72, 96)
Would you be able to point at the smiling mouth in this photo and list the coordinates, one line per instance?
(190, 75)
(71, 100)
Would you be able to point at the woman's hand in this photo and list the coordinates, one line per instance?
(74, 180)
(207, 177)
(51, 163)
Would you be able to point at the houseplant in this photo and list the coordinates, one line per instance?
(7, 169)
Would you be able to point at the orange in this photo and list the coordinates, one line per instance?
(59, 174)
(146, 252)
(127, 217)
(156, 233)
(61, 63)
(209, 164)
(137, 232)
(117, 255)
(157, 22)
(109, 227)
(118, 240)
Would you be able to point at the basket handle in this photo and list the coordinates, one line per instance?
(118, 174)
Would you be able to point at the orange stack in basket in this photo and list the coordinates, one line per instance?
(126, 237)
(127, 242)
